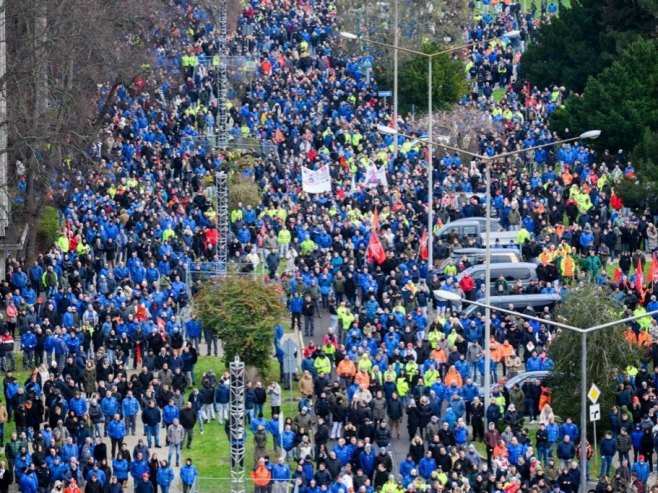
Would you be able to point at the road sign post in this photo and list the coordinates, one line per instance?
(594, 412)
(290, 349)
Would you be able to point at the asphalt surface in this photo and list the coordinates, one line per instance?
(399, 447)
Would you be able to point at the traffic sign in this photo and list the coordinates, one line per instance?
(595, 412)
(594, 394)
(385, 94)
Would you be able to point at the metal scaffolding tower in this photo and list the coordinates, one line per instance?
(222, 76)
(221, 197)
(237, 420)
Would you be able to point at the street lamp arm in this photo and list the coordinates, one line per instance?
(525, 316)
(354, 37)
(552, 322)
(621, 321)
(393, 47)
(592, 134)
(389, 131)
(453, 49)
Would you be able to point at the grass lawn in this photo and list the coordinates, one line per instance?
(210, 451)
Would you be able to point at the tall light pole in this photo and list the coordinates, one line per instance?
(591, 134)
(396, 42)
(430, 115)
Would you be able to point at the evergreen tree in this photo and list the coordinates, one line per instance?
(584, 40)
(448, 80)
(608, 354)
(620, 101)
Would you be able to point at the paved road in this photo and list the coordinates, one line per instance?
(398, 447)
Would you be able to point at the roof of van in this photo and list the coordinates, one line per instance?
(512, 298)
(502, 265)
(466, 251)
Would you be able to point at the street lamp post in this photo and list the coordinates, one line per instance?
(396, 42)
(452, 296)
(591, 134)
(430, 115)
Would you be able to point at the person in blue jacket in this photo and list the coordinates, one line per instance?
(273, 427)
(641, 469)
(281, 475)
(120, 467)
(29, 482)
(116, 430)
(569, 428)
(28, 345)
(427, 466)
(407, 465)
(165, 476)
(169, 413)
(109, 407)
(138, 466)
(129, 409)
(367, 459)
(188, 475)
(78, 405)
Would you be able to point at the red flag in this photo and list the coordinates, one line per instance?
(424, 254)
(617, 275)
(375, 220)
(639, 280)
(654, 268)
(161, 323)
(375, 249)
(615, 201)
(138, 354)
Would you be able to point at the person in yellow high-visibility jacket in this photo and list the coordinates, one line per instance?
(168, 234)
(322, 364)
(284, 242)
(63, 243)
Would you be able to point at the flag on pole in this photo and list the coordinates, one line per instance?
(654, 268)
(375, 220)
(617, 276)
(424, 254)
(375, 249)
(615, 201)
(639, 280)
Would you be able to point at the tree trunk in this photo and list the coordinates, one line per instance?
(33, 205)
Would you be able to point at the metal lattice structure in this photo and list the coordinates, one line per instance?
(223, 129)
(221, 197)
(222, 76)
(237, 426)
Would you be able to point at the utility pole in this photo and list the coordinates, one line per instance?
(4, 196)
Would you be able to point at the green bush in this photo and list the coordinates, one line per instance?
(242, 312)
(48, 227)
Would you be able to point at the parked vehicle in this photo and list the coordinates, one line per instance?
(518, 303)
(476, 256)
(472, 231)
(511, 271)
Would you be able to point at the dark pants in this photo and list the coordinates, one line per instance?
(116, 446)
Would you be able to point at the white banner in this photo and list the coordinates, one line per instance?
(375, 177)
(316, 181)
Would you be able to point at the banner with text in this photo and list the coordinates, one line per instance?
(316, 181)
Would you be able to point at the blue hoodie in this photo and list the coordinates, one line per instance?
(165, 476)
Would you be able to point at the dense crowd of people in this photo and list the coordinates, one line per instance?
(102, 318)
